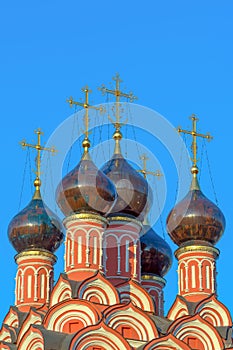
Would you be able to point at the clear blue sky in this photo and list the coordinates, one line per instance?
(175, 55)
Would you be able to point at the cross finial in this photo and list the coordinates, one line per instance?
(38, 147)
(144, 170)
(194, 135)
(86, 106)
(118, 94)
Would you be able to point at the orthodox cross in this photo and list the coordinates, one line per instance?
(85, 105)
(194, 134)
(38, 147)
(118, 94)
(144, 170)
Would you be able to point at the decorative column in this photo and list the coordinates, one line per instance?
(123, 259)
(196, 271)
(34, 279)
(84, 245)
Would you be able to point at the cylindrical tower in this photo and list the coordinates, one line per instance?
(196, 224)
(123, 233)
(85, 195)
(35, 233)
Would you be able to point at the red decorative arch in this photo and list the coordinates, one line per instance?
(196, 330)
(131, 322)
(213, 311)
(34, 317)
(168, 342)
(61, 291)
(8, 334)
(12, 317)
(70, 316)
(32, 339)
(100, 336)
(134, 292)
(99, 290)
(178, 309)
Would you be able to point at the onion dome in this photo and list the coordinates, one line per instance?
(134, 193)
(36, 226)
(156, 257)
(195, 218)
(85, 188)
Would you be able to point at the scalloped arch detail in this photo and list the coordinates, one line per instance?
(214, 312)
(133, 292)
(99, 336)
(71, 315)
(129, 315)
(178, 309)
(98, 289)
(197, 328)
(61, 291)
(169, 343)
(32, 340)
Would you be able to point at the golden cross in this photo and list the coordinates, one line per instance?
(86, 106)
(194, 134)
(144, 170)
(38, 148)
(117, 93)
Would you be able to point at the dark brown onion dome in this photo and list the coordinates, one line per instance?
(133, 190)
(85, 189)
(134, 193)
(156, 257)
(35, 227)
(195, 218)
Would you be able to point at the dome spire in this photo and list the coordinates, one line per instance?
(86, 142)
(38, 147)
(117, 123)
(194, 134)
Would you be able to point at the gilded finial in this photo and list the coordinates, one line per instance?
(86, 142)
(194, 134)
(146, 172)
(118, 94)
(38, 147)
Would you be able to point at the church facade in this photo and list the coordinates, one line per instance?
(110, 295)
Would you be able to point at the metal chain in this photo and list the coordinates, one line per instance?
(46, 174)
(23, 180)
(133, 128)
(211, 177)
(51, 179)
(159, 208)
(30, 170)
(201, 158)
(179, 169)
(72, 139)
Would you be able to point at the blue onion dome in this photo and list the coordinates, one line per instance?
(134, 193)
(156, 256)
(195, 218)
(85, 188)
(36, 226)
